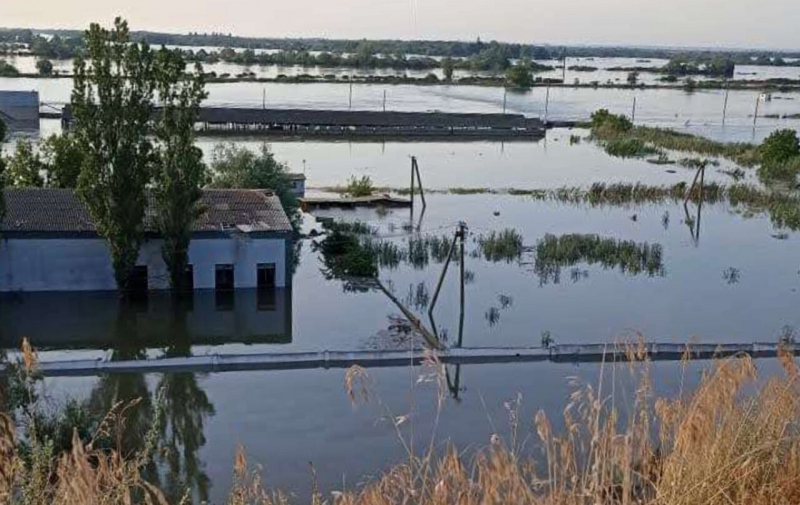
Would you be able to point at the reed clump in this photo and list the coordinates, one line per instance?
(556, 252)
(505, 245)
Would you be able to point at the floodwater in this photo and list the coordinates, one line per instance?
(700, 112)
(719, 274)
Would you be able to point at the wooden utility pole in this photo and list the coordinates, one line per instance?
(264, 98)
(505, 95)
(725, 103)
(350, 101)
(459, 236)
(546, 104)
(633, 112)
(384, 100)
(755, 115)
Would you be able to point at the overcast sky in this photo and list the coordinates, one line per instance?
(714, 23)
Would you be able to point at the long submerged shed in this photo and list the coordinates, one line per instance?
(314, 122)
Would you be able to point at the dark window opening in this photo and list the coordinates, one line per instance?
(224, 277)
(265, 276)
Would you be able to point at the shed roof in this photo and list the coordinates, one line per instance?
(20, 109)
(360, 118)
(48, 210)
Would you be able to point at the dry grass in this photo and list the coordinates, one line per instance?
(733, 440)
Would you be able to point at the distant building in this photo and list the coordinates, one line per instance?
(49, 243)
(19, 110)
(298, 182)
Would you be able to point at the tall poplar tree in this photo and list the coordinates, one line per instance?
(112, 107)
(179, 171)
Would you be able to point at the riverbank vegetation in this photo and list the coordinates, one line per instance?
(619, 441)
(777, 158)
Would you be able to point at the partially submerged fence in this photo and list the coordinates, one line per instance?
(375, 359)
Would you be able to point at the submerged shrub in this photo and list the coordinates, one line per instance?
(603, 122)
(779, 148)
(505, 245)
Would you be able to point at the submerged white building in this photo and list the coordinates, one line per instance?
(49, 243)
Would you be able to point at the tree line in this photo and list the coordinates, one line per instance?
(65, 44)
(120, 151)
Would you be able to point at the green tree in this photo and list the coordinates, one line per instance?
(2, 169)
(238, 167)
(633, 78)
(112, 105)
(179, 171)
(7, 69)
(448, 68)
(520, 75)
(25, 168)
(44, 66)
(63, 158)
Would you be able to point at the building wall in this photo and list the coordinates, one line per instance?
(84, 264)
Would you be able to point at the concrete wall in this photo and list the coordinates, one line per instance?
(84, 264)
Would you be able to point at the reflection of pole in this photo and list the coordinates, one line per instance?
(415, 167)
(633, 112)
(441, 281)
(546, 103)
(725, 104)
(350, 101)
(505, 95)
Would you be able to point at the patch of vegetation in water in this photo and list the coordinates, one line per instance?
(696, 163)
(469, 191)
(661, 159)
(556, 252)
(505, 245)
(628, 147)
(360, 187)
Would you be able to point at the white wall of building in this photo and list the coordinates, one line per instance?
(84, 264)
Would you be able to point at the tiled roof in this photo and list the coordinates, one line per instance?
(61, 211)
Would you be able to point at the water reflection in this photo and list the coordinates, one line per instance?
(100, 320)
